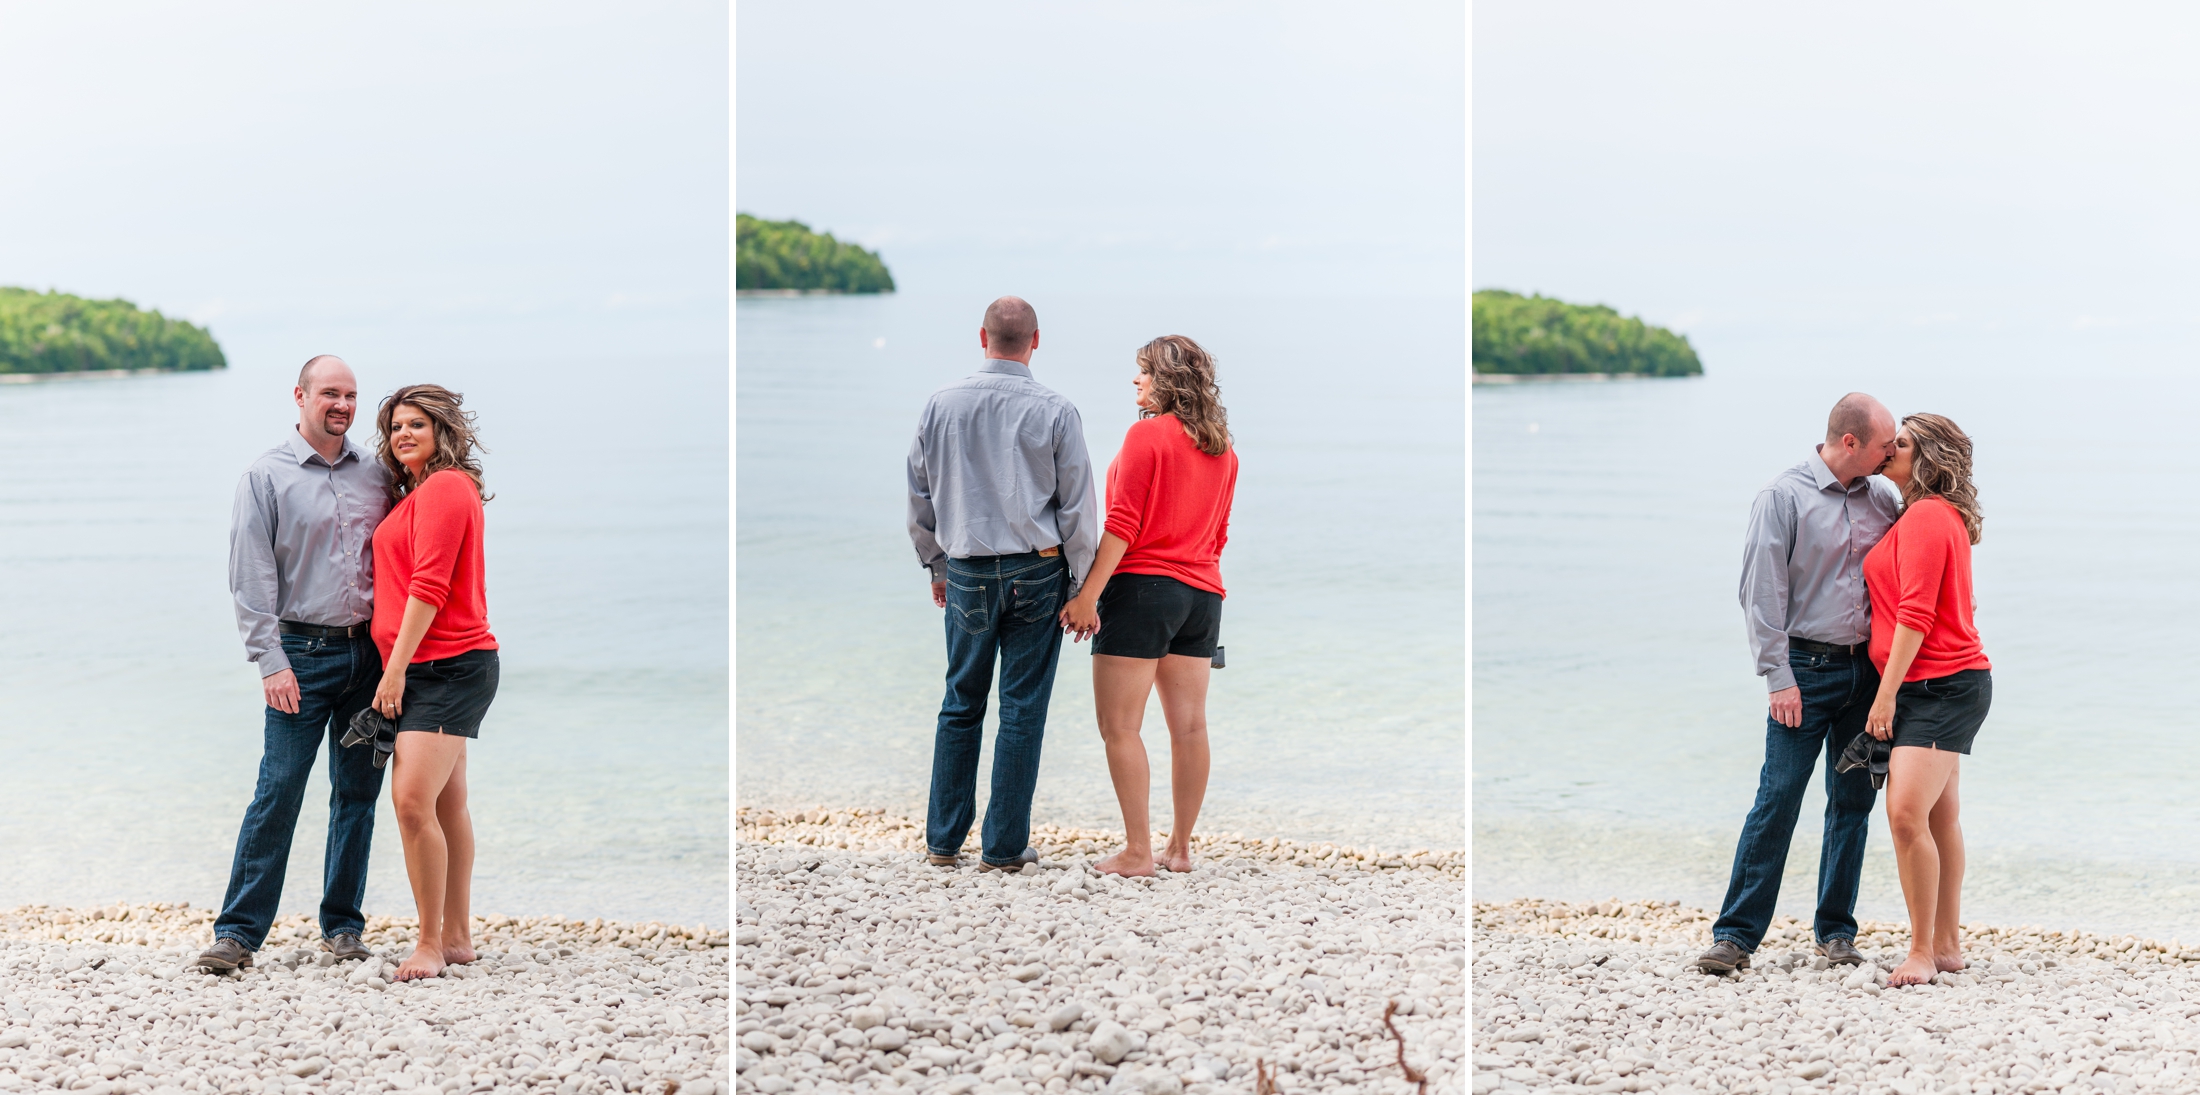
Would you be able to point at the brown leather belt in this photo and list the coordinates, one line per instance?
(316, 631)
(1813, 646)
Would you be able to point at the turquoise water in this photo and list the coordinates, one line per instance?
(1618, 727)
(131, 720)
(1342, 713)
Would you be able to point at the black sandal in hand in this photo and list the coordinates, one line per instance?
(370, 725)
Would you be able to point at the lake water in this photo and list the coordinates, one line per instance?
(1342, 713)
(132, 723)
(1618, 728)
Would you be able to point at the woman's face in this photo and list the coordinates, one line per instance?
(1143, 381)
(412, 437)
(1898, 469)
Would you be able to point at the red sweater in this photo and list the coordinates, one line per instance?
(430, 547)
(1919, 575)
(1171, 503)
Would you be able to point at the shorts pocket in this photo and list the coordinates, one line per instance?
(1033, 599)
(966, 605)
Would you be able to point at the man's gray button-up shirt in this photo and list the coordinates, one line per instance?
(1803, 562)
(999, 467)
(301, 539)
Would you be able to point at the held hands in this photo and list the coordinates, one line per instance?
(389, 694)
(1081, 617)
(1880, 722)
(281, 689)
(1787, 707)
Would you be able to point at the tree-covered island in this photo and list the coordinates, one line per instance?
(1539, 336)
(787, 255)
(58, 333)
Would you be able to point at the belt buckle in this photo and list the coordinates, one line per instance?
(1049, 553)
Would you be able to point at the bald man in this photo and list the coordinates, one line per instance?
(301, 574)
(1809, 621)
(1005, 520)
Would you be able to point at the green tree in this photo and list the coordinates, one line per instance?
(1535, 335)
(787, 255)
(57, 333)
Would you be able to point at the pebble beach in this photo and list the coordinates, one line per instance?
(100, 1000)
(1595, 997)
(860, 968)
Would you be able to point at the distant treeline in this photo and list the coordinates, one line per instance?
(787, 255)
(59, 333)
(1537, 335)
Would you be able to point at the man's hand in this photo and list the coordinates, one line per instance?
(939, 594)
(1080, 618)
(281, 690)
(1787, 707)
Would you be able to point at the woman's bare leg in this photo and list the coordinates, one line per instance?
(1119, 690)
(458, 878)
(418, 771)
(1182, 681)
(1948, 838)
(1915, 779)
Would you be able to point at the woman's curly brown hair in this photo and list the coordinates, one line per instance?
(455, 440)
(1940, 466)
(1184, 385)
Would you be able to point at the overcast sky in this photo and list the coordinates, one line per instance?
(1120, 148)
(1749, 169)
(416, 179)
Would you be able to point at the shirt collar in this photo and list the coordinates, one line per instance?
(1825, 477)
(305, 453)
(1005, 367)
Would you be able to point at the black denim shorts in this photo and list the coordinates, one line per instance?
(1148, 615)
(451, 694)
(1943, 712)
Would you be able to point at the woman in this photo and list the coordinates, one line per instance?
(1154, 596)
(1935, 683)
(439, 659)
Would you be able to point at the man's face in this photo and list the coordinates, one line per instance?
(1880, 449)
(331, 401)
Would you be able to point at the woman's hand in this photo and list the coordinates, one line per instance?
(389, 693)
(1880, 722)
(1081, 617)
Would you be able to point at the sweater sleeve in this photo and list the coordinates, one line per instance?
(1921, 560)
(1130, 485)
(440, 516)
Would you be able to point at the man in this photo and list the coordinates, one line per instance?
(1004, 518)
(301, 569)
(1810, 626)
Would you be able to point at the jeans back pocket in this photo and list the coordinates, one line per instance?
(966, 605)
(1033, 599)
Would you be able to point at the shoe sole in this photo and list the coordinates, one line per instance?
(1713, 967)
(1831, 960)
(216, 967)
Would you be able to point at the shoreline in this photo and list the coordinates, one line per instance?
(1535, 378)
(1594, 997)
(860, 968)
(101, 999)
(93, 374)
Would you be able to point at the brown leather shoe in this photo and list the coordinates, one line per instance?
(226, 954)
(942, 860)
(1841, 951)
(1030, 855)
(346, 947)
(1723, 957)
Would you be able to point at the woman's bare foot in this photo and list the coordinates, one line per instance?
(1949, 963)
(424, 961)
(458, 952)
(1123, 863)
(1914, 970)
(1176, 860)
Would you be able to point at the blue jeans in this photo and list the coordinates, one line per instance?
(336, 679)
(1837, 693)
(1002, 606)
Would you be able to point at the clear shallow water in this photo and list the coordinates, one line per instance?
(1618, 728)
(131, 721)
(1342, 713)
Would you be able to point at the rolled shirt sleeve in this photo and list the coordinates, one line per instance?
(1764, 588)
(1921, 562)
(1077, 514)
(924, 520)
(439, 535)
(255, 587)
